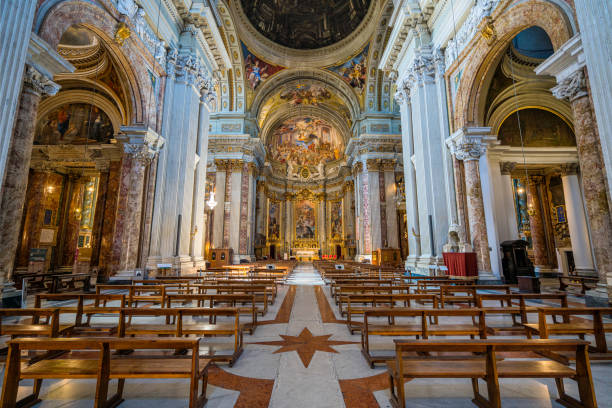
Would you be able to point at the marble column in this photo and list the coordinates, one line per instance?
(536, 223)
(218, 215)
(140, 145)
(348, 212)
(412, 206)
(390, 192)
(576, 220)
(16, 18)
(373, 195)
(567, 65)
(460, 199)
(244, 249)
(468, 145)
(260, 212)
(198, 224)
(595, 32)
(233, 217)
(17, 167)
(505, 201)
(429, 153)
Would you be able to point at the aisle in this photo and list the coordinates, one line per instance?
(305, 274)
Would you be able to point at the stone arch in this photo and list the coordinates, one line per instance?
(469, 107)
(341, 88)
(116, 117)
(131, 65)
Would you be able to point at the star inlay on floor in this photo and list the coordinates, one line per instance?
(306, 345)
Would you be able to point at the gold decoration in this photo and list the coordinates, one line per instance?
(488, 31)
(122, 33)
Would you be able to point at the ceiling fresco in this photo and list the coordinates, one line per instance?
(257, 70)
(354, 71)
(304, 93)
(305, 145)
(305, 24)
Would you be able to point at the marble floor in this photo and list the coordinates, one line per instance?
(302, 355)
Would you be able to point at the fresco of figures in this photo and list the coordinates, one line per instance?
(305, 220)
(354, 71)
(336, 220)
(305, 142)
(78, 123)
(274, 221)
(306, 94)
(256, 70)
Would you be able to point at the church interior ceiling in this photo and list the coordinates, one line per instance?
(305, 24)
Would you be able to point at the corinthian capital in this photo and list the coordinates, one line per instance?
(572, 87)
(140, 143)
(403, 92)
(38, 83)
(470, 143)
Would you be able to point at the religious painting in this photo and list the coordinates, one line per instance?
(305, 145)
(336, 220)
(305, 94)
(257, 70)
(354, 71)
(305, 220)
(537, 128)
(78, 123)
(274, 221)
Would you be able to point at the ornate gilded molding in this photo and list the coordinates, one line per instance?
(470, 143)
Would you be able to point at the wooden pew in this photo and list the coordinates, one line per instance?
(490, 368)
(593, 325)
(96, 303)
(335, 283)
(420, 330)
(232, 299)
(585, 283)
(378, 299)
(68, 281)
(342, 291)
(107, 366)
(516, 301)
(155, 294)
(261, 292)
(175, 326)
(50, 327)
(466, 294)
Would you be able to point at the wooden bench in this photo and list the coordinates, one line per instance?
(232, 299)
(343, 291)
(488, 367)
(593, 325)
(175, 326)
(517, 301)
(334, 284)
(154, 294)
(105, 367)
(585, 283)
(380, 299)
(68, 282)
(422, 329)
(49, 326)
(261, 292)
(86, 305)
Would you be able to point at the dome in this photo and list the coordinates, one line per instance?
(305, 24)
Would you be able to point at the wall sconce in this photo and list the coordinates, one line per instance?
(49, 189)
(211, 203)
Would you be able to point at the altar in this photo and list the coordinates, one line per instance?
(306, 255)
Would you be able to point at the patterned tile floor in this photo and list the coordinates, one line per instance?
(303, 356)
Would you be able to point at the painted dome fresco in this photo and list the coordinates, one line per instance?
(305, 24)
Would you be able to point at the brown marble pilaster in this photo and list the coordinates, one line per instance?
(17, 168)
(99, 217)
(461, 202)
(31, 216)
(536, 223)
(476, 214)
(244, 209)
(592, 169)
(126, 240)
(73, 222)
(110, 212)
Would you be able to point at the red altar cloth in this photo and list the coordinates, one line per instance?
(461, 263)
